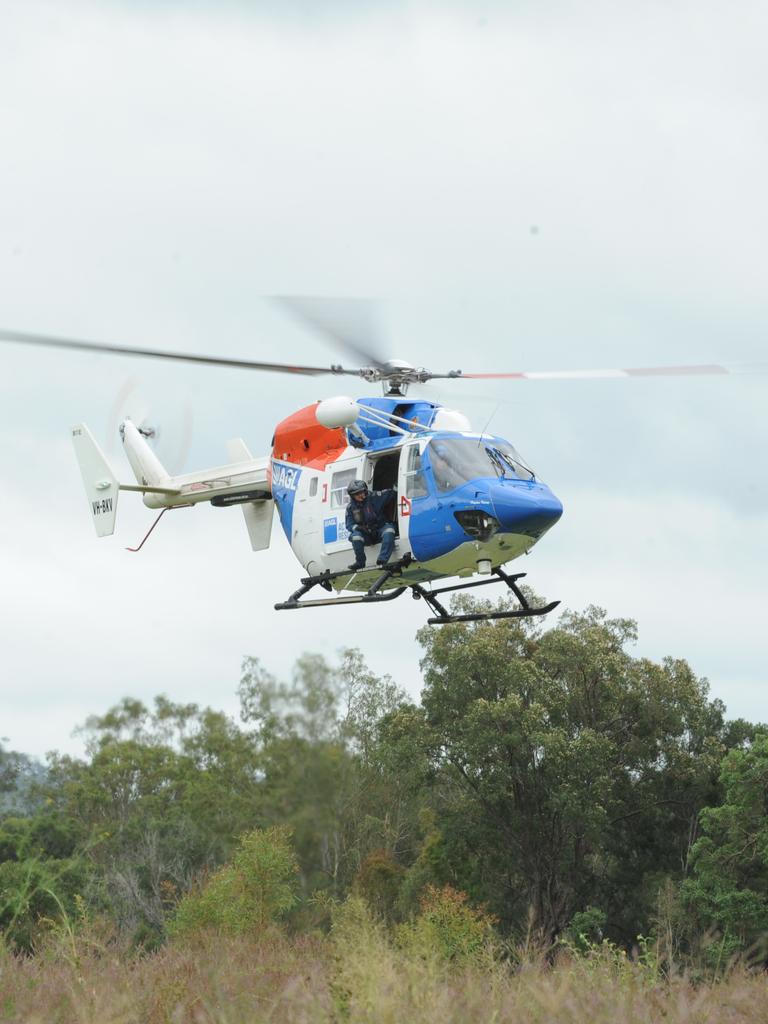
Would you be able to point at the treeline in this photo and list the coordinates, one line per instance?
(571, 790)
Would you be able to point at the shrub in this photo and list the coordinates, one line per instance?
(247, 895)
(448, 928)
(379, 881)
(34, 892)
(586, 928)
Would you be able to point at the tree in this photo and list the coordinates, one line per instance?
(564, 772)
(163, 794)
(19, 777)
(317, 739)
(728, 890)
(165, 789)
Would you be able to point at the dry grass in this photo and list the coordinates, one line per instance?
(221, 980)
(356, 976)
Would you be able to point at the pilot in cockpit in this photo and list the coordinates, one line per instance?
(444, 473)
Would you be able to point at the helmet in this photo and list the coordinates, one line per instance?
(357, 487)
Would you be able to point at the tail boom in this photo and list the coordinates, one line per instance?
(245, 476)
(241, 482)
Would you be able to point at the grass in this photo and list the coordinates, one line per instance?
(355, 975)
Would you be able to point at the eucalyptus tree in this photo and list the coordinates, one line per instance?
(563, 772)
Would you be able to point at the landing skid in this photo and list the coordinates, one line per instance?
(418, 592)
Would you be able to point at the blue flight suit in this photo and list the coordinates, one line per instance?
(371, 521)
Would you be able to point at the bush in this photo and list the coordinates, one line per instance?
(586, 928)
(247, 895)
(448, 929)
(33, 893)
(379, 881)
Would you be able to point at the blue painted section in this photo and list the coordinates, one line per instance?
(525, 508)
(381, 437)
(285, 480)
(433, 530)
(521, 507)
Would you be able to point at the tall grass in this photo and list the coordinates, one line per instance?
(359, 973)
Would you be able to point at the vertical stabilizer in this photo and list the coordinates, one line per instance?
(100, 482)
(258, 514)
(238, 450)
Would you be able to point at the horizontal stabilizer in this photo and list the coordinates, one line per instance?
(258, 515)
(101, 486)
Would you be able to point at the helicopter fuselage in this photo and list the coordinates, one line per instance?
(465, 503)
(462, 503)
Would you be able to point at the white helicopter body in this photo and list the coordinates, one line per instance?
(462, 503)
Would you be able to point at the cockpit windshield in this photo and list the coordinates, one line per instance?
(456, 461)
(510, 459)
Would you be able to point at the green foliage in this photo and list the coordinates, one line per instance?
(319, 755)
(246, 896)
(546, 773)
(354, 928)
(379, 881)
(162, 795)
(165, 789)
(41, 874)
(586, 928)
(448, 929)
(729, 887)
(563, 771)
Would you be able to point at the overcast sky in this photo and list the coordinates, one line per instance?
(525, 186)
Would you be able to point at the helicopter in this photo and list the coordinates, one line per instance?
(464, 503)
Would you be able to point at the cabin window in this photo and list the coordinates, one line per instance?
(313, 487)
(415, 485)
(339, 483)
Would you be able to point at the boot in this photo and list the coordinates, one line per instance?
(359, 548)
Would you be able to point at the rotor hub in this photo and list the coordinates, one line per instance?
(395, 376)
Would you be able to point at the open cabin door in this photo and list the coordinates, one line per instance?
(411, 486)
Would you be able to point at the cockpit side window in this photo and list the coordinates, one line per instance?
(415, 484)
(456, 461)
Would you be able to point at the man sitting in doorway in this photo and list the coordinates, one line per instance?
(370, 519)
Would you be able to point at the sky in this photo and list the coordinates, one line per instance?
(521, 186)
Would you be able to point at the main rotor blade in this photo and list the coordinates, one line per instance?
(24, 338)
(347, 323)
(702, 370)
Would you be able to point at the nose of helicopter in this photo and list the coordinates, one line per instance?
(527, 510)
